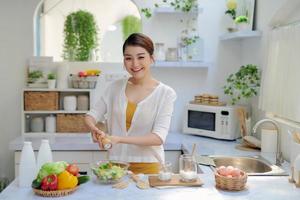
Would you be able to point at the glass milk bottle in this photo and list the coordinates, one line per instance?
(44, 154)
(27, 168)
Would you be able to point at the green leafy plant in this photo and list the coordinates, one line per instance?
(147, 12)
(51, 76)
(241, 19)
(231, 8)
(34, 75)
(131, 24)
(80, 31)
(243, 84)
(186, 41)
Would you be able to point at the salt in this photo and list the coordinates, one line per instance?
(188, 175)
(165, 176)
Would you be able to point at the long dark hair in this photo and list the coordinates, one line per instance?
(141, 40)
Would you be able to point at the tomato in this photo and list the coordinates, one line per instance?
(73, 169)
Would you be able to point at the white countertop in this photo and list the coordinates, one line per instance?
(258, 187)
(80, 143)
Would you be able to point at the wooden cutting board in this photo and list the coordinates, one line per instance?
(175, 181)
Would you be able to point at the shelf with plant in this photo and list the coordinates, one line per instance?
(243, 84)
(172, 6)
(240, 35)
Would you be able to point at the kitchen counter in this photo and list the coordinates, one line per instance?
(81, 143)
(258, 187)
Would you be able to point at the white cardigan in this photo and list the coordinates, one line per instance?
(152, 115)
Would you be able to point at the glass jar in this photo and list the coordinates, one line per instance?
(165, 172)
(172, 54)
(187, 168)
(160, 54)
(195, 50)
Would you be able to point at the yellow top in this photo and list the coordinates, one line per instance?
(131, 107)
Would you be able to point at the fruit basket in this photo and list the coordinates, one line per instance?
(108, 172)
(85, 79)
(57, 179)
(230, 179)
(54, 193)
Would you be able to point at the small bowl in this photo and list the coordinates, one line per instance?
(111, 172)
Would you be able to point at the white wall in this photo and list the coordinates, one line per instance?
(16, 39)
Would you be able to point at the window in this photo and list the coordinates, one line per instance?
(49, 24)
(280, 92)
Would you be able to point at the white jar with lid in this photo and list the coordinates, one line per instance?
(50, 124)
(82, 102)
(70, 103)
(27, 168)
(37, 124)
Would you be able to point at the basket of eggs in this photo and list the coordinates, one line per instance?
(230, 178)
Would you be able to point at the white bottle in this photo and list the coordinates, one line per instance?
(27, 168)
(44, 154)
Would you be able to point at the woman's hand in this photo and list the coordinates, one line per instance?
(114, 139)
(97, 134)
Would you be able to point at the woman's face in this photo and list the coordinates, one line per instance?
(137, 61)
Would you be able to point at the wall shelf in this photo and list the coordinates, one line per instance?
(240, 35)
(181, 64)
(58, 90)
(171, 10)
(56, 112)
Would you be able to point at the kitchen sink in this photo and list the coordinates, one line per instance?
(254, 166)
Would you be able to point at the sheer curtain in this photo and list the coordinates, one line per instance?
(280, 92)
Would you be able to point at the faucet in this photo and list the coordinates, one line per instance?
(279, 157)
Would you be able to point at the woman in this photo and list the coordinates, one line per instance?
(138, 110)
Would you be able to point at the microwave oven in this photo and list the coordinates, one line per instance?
(219, 122)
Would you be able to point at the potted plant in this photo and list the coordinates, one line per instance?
(80, 32)
(131, 24)
(242, 23)
(231, 13)
(35, 76)
(243, 84)
(51, 80)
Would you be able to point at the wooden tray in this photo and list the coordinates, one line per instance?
(209, 104)
(175, 181)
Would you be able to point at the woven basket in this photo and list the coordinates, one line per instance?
(233, 184)
(41, 100)
(54, 193)
(71, 123)
(89, 82)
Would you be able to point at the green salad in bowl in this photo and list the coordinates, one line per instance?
(109, 171)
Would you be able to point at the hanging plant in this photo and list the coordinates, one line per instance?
(131, 24)
(243, 84)
(80, 32)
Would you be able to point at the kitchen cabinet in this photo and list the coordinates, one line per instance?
(84, 158)
(33, 108)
